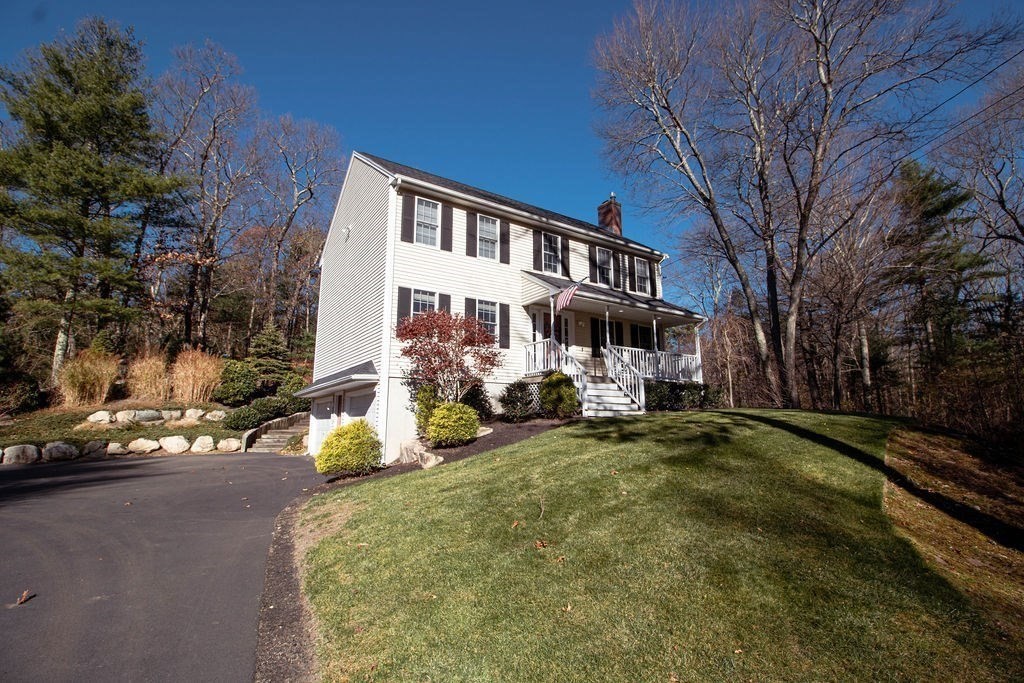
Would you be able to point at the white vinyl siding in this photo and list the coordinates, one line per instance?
(643, 275)
(428, 221)
(423, 301)
(604, 267)
(552, 246)
(487, 313)
(487, 237)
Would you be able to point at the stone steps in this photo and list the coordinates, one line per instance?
(276, 439)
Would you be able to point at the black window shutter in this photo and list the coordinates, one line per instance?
(504, 239)
(565, 256)
(503, 325)
(446, 227)
(593, 264)
(444, 302)
(653, 280)
(470, 307)
(538, 257)
(617, 268)
(632, 273)
(470, 234)
(408, 217)
(404, 303)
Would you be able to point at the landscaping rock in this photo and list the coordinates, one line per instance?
(215, 415)
(203, 444)
(101, 417)
(194, 413)
(125, 416)
(411, 450)
(148, 415)
(21, 455)
(143, 446)
(174, 444)
(484, 431)
(305, 440)
(428, 460)
(58, 450)
(94, 449)
(229, 445)
(115, 448)
(171, 415)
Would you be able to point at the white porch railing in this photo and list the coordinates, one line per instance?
(662, 364)
(625, 375)
(549, 355)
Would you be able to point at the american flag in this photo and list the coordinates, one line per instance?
(565, 297)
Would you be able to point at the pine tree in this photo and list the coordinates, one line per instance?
(268, 354)
(78, 174)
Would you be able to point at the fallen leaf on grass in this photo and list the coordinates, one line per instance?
(737, 652)
(515, 524)
(567, 608)
(560, 559)
(614, 472)
(540, 543)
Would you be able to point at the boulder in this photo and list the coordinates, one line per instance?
(194, 413)
(143, 446)
(484, 431)
(428, 460)
(148, 415)
(94, 449)
(411, 450)
(171, 415)
(305, 440)
(202, 444)
(229, 445)
(174, 444)
(101, 417)
(58, 450)
(115, 448)
(21, 455)
(215, 415)
(125, 416)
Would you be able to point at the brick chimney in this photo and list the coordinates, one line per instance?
(609, 216)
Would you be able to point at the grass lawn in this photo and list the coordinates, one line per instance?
(732, 545)
(58, 424)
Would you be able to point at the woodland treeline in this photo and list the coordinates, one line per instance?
(146, 213)
(857, 230)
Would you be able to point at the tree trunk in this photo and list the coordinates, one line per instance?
(60, 348)
(865, 364)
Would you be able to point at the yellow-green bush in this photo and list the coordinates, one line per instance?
(558, 396)
(353, 448)
(453, 424)
(87, 379)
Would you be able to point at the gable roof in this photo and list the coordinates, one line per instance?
(398, 169)
(616, 296)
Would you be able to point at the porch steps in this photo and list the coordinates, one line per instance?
(606, 399)
(276, 439)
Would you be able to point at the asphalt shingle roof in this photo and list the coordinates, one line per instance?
(620, 297)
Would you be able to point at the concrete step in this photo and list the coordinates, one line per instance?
(593, 400)
(614, 413)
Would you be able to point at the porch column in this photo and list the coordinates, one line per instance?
(552, 360)
(696, 347)
(657, 360)
(607, 329)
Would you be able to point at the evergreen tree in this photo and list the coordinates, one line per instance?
(78, 174)
(268, 354)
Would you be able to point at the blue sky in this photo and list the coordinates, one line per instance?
(497, 95)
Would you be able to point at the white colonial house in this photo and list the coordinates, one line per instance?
(403, 241)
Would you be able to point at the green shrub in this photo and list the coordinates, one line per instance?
(476, 398)
(426, 401)
(558, 396)
(256, 413)
(19, 393)
(663, 395)
(286, 392)
(517, 402)
(270, 407)
(239, 384)
(452, 424)
(353, 448)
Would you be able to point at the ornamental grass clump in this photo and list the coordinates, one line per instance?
(351, 449)
(453, 424)
(195, 375)
(148, 378)
(87, 379)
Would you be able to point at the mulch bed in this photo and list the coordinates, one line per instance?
(285, 649)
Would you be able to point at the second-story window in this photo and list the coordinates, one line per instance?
(487, 313)
(427, 221)
(487, 237)
(552, 254)
(643, 275)
(604, 267)
(423, 301)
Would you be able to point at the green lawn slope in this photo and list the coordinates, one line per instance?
(731, 545)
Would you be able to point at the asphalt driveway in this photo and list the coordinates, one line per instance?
(143, 569)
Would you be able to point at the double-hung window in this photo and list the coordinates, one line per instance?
(423, 301)
(643, 275)
(487, 237)
(552, 254)
(428, 221)
(604, 267)
(487, 313)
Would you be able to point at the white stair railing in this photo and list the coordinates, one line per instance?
(662, 364)
(625, 375)
(548, 355)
